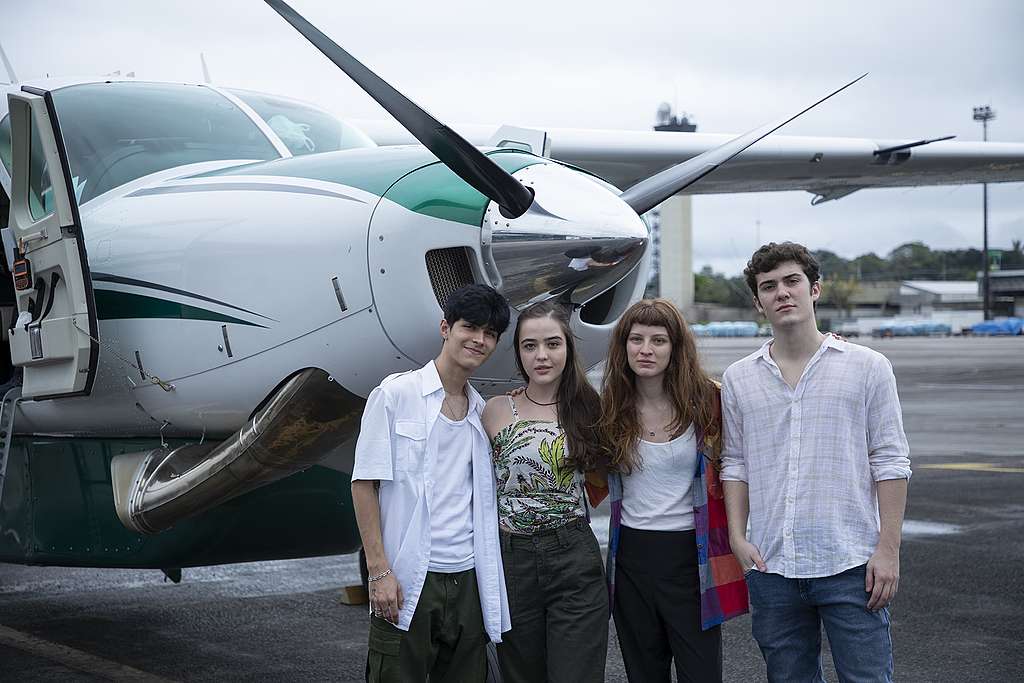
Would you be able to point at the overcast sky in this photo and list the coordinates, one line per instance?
(595, 64)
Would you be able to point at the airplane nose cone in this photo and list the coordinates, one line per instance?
(577, 240)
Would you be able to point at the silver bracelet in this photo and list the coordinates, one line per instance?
(378, 577)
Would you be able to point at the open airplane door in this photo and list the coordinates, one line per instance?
(54, 336)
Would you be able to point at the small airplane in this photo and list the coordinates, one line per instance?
(205, 284)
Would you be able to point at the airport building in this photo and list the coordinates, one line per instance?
(1006, 288)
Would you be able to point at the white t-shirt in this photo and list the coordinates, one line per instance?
(658, 495)
(451, 518)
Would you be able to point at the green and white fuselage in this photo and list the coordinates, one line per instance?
(223, 277)
(256, 268)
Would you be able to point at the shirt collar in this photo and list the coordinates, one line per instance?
(834, 342)
(830, 341)
(430, 382)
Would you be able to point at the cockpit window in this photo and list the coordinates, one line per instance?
(117, 132)
(304, 129)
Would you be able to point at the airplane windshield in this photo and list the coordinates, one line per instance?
(117, 132)
(304, 129)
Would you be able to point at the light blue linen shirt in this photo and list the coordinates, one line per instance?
(811, 455)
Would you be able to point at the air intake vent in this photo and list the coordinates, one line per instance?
(449, 269)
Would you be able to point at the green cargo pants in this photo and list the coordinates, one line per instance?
(445, 642)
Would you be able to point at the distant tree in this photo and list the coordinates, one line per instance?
(872, 267)
(839, 293)
(832, 264)
(715, 288)
(914, 260)
(740, 295)
(710, 287)
(840, 277)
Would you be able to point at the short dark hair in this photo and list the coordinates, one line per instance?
(478, 304)
(770, 255)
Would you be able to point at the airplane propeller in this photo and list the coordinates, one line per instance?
(454, 151)
(519, 252)
(648, 193)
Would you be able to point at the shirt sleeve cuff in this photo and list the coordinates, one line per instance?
(890, 472)
(371, 474)
(733, 473)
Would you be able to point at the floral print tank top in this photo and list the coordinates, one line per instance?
(536, 489)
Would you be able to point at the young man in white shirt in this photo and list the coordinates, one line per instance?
(424, 496)
(815, 452)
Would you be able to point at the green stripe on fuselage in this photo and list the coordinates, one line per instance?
(435, 191)
(409, 175)
(114, 305)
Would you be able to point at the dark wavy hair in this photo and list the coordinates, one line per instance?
(690, 390)
(579, 405)
(480, 305)
(768, 257)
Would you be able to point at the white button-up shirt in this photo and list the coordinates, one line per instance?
(398, 446)
(811, 455)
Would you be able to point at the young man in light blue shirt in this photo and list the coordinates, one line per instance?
(815, 452)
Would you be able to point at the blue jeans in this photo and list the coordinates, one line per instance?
(787, 615)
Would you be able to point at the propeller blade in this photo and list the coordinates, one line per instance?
(465, 160)
(650, 192)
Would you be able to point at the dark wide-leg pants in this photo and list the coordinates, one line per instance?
(657, 609)
(559, 607)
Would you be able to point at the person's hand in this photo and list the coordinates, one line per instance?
(747, 554)
(386, 598)
(882, 578)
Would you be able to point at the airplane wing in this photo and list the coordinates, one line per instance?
(827, 167)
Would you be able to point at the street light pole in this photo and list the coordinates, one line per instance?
(985, 114)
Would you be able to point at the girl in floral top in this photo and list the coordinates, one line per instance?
(543, 444)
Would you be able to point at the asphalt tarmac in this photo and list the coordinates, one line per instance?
(959, 615)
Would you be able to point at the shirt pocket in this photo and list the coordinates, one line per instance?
(410, 445)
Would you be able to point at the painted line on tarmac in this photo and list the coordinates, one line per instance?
(74, 659)
(913, 527)
(974, 467)
(972, 387)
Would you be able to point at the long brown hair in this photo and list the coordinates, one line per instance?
(691, 391)
(579, 405)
